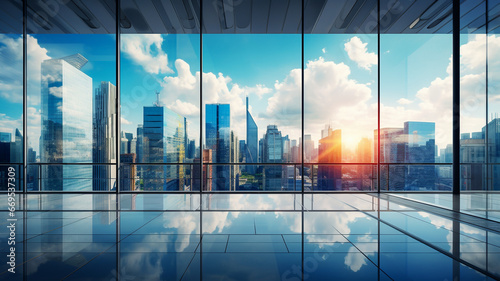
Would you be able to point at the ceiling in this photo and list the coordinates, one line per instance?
(248, 16)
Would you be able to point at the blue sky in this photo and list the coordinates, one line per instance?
(262, 67)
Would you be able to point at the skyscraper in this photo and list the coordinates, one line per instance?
(420, 148)
(163, 142)
(66, 136)
(234, 170)
(104, 134)
(392, 150)
(252, 144)
(273, 153)
(330, 151)
(218, 140)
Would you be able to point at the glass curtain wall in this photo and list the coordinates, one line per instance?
(416, 105)
(160, 95)
(11, 96)
(71, 95)
(340, 95)
(253, 100)
(252, 95)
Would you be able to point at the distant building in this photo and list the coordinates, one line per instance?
(217, 139)
(207, 172)
(330, 151)
(392, 151)
(104, 137)
(128, 172)
(163, 142)
(273, 153)
(420, 148)
(252, 145)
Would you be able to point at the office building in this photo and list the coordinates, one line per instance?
(217, 138)
(66, 116)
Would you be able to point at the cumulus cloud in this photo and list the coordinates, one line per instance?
(404, 101)
(357, 52)
(125, 121)
(145, 50)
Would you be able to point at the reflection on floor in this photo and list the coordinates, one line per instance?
(245, 237)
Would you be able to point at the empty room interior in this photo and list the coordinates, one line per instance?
(249, 140)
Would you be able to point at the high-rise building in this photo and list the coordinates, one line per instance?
(234, 170)
(365, 173)
(330, 151)
(66, 135)
(243, 149)
(472, 157)
(140, 144)
(493, 153)
(217, 139)
(392, 150)
(420, 148)
(273, 153)
(104, 137)
(163, 142)
(252, 141)
(128, 172)
(287, 155)
(207, 171)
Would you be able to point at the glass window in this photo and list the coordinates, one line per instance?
(415, 95)
(11, 92)
(340, 94)
(160, 94)
(71, 95)
(252, 97)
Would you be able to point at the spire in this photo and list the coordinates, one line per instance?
(157, 102)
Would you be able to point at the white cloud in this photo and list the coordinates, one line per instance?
(323, 50)
(404, 101)
(357, 52)
(145, 50)
(330, 95)
(125, 121)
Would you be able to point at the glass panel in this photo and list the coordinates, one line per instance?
(340, 81)
(401, 177)
(72, 93)
(168, 177)
(493, 92)
(473, 47)
(160, 92)
(416, 91)
(265, 178)
(340, 177)
(11, 92)
(251, 89)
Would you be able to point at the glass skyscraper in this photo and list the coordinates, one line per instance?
(66, 135)
(163, 141)
(420, 147)
(218, 121)
(273, 153)
(252, 145)
(104, 134)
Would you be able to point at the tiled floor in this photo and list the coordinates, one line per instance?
(245, 237)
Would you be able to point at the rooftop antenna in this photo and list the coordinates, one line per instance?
(157, 102)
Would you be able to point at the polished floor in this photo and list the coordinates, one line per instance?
(248, 237)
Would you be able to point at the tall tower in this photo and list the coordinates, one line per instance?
(273, 153)
(163, 142)
(218, 140)
(66, 135)
(104, 134)
(252, 142)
